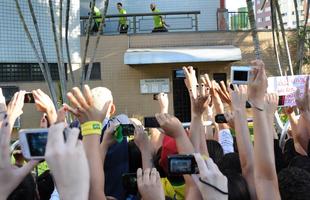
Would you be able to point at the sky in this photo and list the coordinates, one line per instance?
(233, 5)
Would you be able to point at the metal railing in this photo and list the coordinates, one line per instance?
(233, 21)
(143, 22)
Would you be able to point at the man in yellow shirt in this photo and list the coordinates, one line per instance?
(122, 23)
(159, 23)
(97, 18)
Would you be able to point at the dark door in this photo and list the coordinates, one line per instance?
(181, 100)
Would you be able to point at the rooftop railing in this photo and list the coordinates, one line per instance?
(143, 22)
(233, 21)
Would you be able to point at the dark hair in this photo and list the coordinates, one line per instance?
(134, 157)
(289, 151)
(215, 150)
(230, 163)
(120, 4)
(26, 190)
(237, 187)
(156, 159)
(279, 158)
(302, 162)
(294, 183)
(45, 185)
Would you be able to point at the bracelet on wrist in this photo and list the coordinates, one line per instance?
(214, 187)
(91, 128)
(255, 106)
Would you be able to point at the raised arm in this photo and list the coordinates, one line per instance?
(68, 163)
(91, 119)
(44, 104)
(245, 147)
(266, 182)
(10, 177)
(200, 99)
(142, 141)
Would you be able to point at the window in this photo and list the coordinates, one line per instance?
(13, 72)
(8, 92)
(267, 19)
(268, 9)
(95, 71)
(259, 20)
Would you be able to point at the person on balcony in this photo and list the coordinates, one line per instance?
(97, 18)
(159, 23)
(122, 23)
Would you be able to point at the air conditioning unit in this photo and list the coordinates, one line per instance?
(17, 123)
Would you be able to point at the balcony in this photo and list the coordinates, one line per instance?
(143, 22)
(187, 21)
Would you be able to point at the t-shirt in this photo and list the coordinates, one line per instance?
(172, 191)
(122, 20)
(226, 140)
(157, 19)
(97, 14)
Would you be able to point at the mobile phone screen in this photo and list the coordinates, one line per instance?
(29, 98)
(37, 143)
(240, 75)
(151, 122)
(220, 118)
(182, 164)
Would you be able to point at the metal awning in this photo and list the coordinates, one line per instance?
(140, 56)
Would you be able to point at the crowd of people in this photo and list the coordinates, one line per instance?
(91, 162)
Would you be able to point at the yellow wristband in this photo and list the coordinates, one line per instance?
(205, 157)
(91, 128)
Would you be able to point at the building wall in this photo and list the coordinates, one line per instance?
(14, 45)
(207, 18)
(287, 10)
(263, 17)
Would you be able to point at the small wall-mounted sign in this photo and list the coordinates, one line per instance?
(152, 86)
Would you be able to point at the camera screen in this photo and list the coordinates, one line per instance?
(180, 166)
(241, 75)
(37, 143)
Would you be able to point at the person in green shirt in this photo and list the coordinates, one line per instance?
(97, 19)
(159, 23)
(122, 23)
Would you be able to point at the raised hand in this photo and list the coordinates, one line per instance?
(44, 104)
(258, 85)
(163, 102)
(68, 163)
(210, 181)
(43, 121)
(108, 139)
(15, 107)
(238, 97)
(271, 104)
(85, 108)
(190, 79)
(170, 124)
(141, 139)
(200, 101)
(224, 94)
(10, 177)
(149, 184)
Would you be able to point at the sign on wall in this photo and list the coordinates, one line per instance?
(286, 86)
(152, 86)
